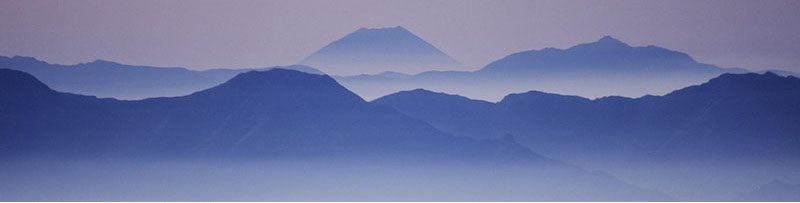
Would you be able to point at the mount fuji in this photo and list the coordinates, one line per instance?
(378, 50)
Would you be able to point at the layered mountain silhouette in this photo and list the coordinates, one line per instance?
(110, 79)
(732, 116)
(605, 67)
(605, 56)
(270, 115)
(369, 50)
(719, 137)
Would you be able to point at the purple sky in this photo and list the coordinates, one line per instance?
(224, 34)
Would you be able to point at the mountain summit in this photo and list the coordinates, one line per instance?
(285, 87)
(377, 50)
(604, 56)
(610, 40)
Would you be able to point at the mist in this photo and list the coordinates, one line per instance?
(43, 179)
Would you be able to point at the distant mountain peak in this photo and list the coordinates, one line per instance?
(395, 28)
(104, 62)
(375, 50)
(381, 33)
(606, 55)
(605, 43)
(607, 39)
(285, 85)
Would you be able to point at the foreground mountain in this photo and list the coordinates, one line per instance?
(272, 113)
(605, 67)
(725, 134)
(377, 50)
(731, 116)
(110, 79)
(274, 130)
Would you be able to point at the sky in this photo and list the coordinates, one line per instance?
(752, 34)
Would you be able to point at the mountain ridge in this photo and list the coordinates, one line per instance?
(104, 78)
(768, 96)
(595, 69)
(733, 131)
(224, 114)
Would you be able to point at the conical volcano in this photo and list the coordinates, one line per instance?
(378, 50)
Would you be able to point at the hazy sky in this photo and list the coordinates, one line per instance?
(225, 34)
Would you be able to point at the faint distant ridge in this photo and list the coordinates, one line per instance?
(596, 69)
(111, 79)
(374, 50)
(606, 55)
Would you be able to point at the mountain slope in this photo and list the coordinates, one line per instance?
(735, 115)
(378, 50)
(255, 113)
(451, 113)
(281, 121)
(607, 55)
(719, 137)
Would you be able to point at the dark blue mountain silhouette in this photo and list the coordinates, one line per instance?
(733, 116)
(719, 137)
(272, 113)
(110, 79)
(451, 113)
(263, 115)
(605, 67)
(377, 50)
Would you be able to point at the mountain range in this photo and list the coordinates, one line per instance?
(110, 79)
(735, 115)
(729, 132)
(597, 121)
(597, 69)
(601, 68)
(254, 113)
(268, 115)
